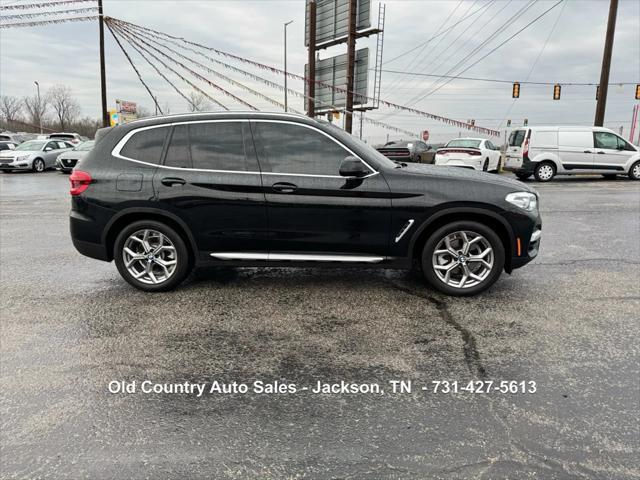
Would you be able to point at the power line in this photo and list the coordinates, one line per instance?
(495, 48)
(74, 11)
(48, 22)
(496, 80)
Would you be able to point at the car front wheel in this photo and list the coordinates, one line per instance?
(38, 165)
(634, 171)
(463, 258)
(151, 256)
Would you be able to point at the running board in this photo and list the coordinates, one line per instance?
(295, 257)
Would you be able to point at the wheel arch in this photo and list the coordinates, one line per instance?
(128, 216)
(476, 214)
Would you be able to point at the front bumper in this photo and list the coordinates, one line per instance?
(66, 164)
(527, 248)
(21, 165)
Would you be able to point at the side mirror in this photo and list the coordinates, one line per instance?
(48, 149)
(353, 167)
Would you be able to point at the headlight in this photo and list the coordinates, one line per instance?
(525, 200)
(23, 157)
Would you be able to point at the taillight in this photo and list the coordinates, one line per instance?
(80, 181)
(525, 149)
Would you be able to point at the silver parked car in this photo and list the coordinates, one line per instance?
(69, 159)
(35, 155)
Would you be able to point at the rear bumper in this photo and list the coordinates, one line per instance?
(527, 166)
(85, 238)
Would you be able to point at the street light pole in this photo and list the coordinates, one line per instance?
(285, 65)
(39, 105)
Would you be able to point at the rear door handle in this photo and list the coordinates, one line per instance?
(283, 187)
(588, 151)
(171, 181)
(601, 152)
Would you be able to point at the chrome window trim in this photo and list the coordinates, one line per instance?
(116, 151)
(300, 257)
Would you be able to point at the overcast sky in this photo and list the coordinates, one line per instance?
(68, 54)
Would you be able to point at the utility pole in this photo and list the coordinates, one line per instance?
(286, 107)
(606, 64)
(351, 57)
(106, 121)
(311, 84)
(39, 105)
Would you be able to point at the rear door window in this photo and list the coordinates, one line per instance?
(576, 139)
(516, 138)
(218, 146)
(146, 145)
(178, 154)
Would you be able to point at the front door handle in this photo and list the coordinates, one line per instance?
(171, 181)
(588, 151)
(601, 152)
(283, 187)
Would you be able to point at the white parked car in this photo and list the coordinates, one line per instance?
(545, 152)
(475, 153)
(35, 155)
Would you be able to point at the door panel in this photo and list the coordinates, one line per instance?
(225, 209)
(311, 208)
(575, 150)
(609, 152)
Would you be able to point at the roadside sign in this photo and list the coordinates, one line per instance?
(425, 135)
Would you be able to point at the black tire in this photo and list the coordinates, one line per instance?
(610, 176)
(38, 165)
(485, 165)
(523, 176)
(467, 226)
(542, 169)
(183, 266)
(7, 171)
(634, 171)
(498, 167)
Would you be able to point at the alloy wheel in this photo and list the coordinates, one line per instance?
(636, 171)
(38, 165)
(149, 256)
(463, 259)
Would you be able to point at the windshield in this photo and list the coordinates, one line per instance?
(84, 147)
(464, 143)
(31, 145)
(345, 137)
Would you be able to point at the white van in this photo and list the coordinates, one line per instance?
(549, 151)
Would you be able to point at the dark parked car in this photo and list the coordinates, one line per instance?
(5, 145)
(161, 196)
(408, 151)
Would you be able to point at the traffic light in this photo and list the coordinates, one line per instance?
(556, 91)
(526, 122)
(516, 90)
(508, 122)
(638, 92)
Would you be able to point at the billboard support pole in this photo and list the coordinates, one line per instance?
(311, 85)
(351, 57)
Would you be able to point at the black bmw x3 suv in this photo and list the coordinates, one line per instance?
(163, 195)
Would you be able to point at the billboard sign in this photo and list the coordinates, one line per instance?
(124, 106)
(333, 71)
(332, 19)
(425, 135)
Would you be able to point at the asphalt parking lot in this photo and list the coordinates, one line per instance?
(568, 321)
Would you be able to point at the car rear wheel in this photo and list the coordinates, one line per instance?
(38, 165)
(463, 258)
(634, 171)
(545, 171)
(151, 256)
(498, 166)
(523, 176)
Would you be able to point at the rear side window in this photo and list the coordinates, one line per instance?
(218, 146)
(287, 148)
(575, 139)
(516, 138)
(146, 145)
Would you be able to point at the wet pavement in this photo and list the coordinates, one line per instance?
(568, 321)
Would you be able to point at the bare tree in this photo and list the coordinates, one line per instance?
(198, 102)
(10, 109)
(64, 104)
(143, 111)
(37, 107)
